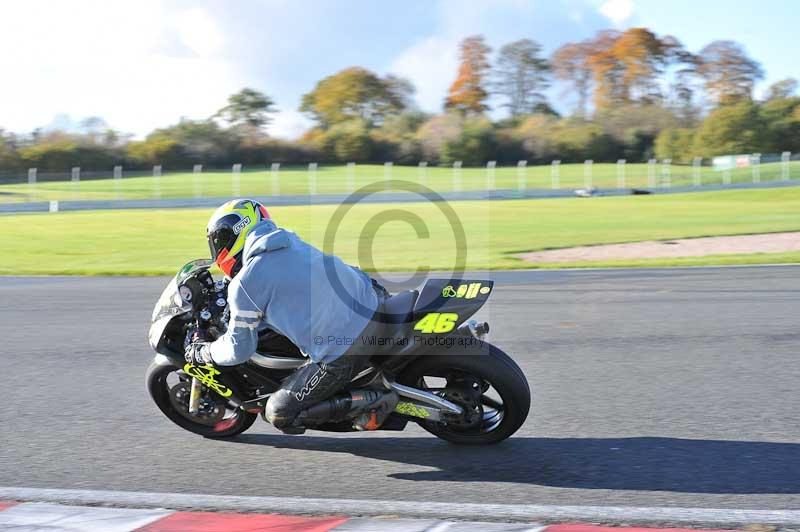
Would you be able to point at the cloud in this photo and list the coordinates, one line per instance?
(429, 64)
(289, 124)
(138, 65)
(617, 11)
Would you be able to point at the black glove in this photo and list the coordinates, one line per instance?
(198, 354)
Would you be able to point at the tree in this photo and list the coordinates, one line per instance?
(474, 145)
(643, 57)
(675, 144)
(782, 89)
(781, 117)
(248, 107)
(521, 76)
(607, 70)
(467, 93)
(347, 141)
(571, 63)
(728, 73)
(731, 129)
(438, 130)
(356, 93)
(535, 135)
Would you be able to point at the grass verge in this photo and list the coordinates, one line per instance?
(338, 179)
(156, 242)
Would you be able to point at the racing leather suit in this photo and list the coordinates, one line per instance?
(324, 306)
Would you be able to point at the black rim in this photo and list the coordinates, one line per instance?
(484, 408)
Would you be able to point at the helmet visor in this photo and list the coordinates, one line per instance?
(219, 239)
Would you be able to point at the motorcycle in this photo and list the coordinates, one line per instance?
(447, 378)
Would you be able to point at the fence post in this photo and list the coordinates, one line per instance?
(785, 158)
(490, 175)
(555, 177)
(196, 170)
(236, 183)
(312, 179)
(117, 180)
(587, 174)
(75, 174)
(422, 171)
(53, 207)
(726, 175)
(666, 173)
(351, 177)
(697, 164)
(387, 174)
(273, 174)
(620, 173)
(651, 173)
(522, 177)
(31, 183)
(157, 180)
(457, 176)
(755, 163)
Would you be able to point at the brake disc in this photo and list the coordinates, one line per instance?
(212, 408)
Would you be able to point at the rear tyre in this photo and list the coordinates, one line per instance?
(167, 385)
(488, 385)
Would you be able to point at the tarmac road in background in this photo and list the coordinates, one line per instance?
(650, 388)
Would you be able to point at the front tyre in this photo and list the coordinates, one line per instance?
(169, 386)
(489, 386)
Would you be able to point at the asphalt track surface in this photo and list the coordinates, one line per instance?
(650, 388)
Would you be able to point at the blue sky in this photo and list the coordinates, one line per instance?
(145, 64)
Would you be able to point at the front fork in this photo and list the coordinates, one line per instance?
(194, 396)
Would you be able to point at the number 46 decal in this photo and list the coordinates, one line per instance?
(437, 322)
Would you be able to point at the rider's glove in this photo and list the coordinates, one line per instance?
(198, 354)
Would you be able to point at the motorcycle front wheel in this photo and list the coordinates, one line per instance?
(169, 388)
(489, 386)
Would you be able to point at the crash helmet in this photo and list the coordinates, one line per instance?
(227, 230)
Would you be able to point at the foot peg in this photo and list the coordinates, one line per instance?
(377, 412)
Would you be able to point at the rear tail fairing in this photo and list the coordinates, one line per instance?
(461, 297)
(433, 325)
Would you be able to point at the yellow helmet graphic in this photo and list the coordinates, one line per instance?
(227, 230)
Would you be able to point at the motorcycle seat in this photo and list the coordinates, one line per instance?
(399, 308)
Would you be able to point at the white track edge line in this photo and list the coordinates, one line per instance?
(355, 507)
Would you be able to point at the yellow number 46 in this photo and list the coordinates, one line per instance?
(437, 322)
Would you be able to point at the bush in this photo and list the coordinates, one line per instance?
(676, 144)
(437, 131)
(347, 141)
(474, 145)
(536, 135)
(730, 129)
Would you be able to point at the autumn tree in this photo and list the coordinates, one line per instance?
(521, 75)
(728, 73)
(570, 63)
(467, 93)
(643, 57)
(356, 93)
(248, 107)
(607, 70)
(782, 89)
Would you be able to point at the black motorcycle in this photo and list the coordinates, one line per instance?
(447, 378)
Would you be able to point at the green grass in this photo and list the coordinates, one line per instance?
(149, 242)
(336, 179)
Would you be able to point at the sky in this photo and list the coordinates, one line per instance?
(147, 63)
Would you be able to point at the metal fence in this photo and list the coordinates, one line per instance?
(314, 179)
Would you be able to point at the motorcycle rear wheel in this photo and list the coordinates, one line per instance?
(474, 381)
(160, 391)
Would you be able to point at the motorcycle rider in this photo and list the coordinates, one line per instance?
(282, 283)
